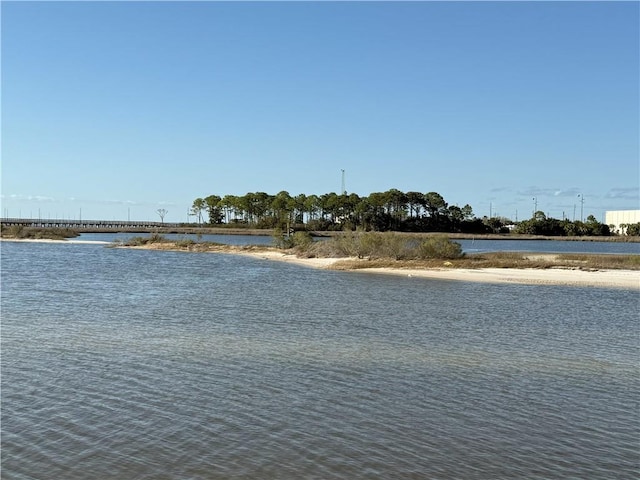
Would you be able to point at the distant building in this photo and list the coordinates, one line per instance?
(621, 217)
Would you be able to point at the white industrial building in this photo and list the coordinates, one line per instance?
(621, 217)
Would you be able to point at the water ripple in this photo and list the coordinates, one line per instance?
(207, 367)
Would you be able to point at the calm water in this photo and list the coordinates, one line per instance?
(123, 364)
(470, 246)
(550, 246)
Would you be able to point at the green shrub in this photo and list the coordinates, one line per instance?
(396, 246)
(439, 247)
(380, 245)
(280, 240)
(185, 243)
(136, 242)
(302, 240)
(156, 238)
(15, 231)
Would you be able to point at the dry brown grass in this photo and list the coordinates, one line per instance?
(484, 260)
(505, 260)
(20, 232)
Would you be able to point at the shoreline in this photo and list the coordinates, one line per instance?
(210, 230)
(52, 240)
(626, 279)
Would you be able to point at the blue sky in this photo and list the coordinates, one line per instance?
(115, 109)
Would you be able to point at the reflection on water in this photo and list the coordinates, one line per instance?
(140, 364)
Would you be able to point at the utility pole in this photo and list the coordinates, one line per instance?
(581, 207)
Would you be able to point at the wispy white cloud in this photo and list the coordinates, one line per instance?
(624, 193)
(28, 198)
(570, 192)
(549, 192)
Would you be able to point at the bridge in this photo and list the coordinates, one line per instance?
(104, 225)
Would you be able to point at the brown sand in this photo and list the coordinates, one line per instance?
(628, 279)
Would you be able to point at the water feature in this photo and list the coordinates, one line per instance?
(550, 246)
(143, 364)
(469, 246)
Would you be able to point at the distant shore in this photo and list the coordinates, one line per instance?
(626, 279)
(327, 233)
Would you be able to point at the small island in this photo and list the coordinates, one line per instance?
(410, 255)
(427, 256)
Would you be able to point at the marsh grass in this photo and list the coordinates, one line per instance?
(506, 260)
(22, 232)
(378, 246)
(393, 250)
(299, 240)
(142, 241)
(193, 246)
(628, 262)
(186, 245)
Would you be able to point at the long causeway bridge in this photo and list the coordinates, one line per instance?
(108, 225)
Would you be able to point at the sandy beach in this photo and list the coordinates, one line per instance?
(627, 279)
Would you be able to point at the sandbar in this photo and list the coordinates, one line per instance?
(626, 279)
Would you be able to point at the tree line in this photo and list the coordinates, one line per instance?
(379, 211)
(540, 224)
(392, 210)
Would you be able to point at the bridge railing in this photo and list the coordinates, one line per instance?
(82, 224)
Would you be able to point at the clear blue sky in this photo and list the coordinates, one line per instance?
(116, 109)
